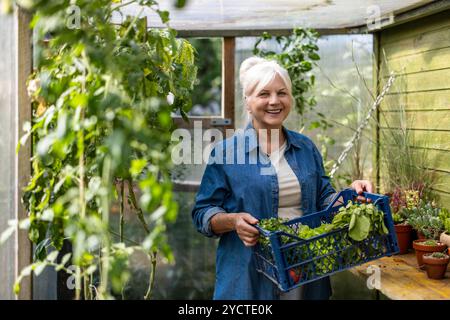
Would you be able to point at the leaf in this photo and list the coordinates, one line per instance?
(91, 269)
(352, 222)
(180, 3)
(360, 231)
(47, 215)
(65, 258)
(314, 125)
(39, 267)
(52, 256)
(314, 56)
(164, 15)
(137, 165)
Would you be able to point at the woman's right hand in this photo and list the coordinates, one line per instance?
(243, 226)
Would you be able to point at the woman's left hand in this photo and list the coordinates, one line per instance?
(361, 186)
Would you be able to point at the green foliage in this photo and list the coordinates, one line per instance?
(101, 119)
(361, 219)
(275, 224)
(444, 215)
(298, 56)
(398, 218)
(209, 64)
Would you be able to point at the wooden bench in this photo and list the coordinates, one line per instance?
(401, 279)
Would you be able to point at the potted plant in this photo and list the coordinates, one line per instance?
(399, 201)
(436, 264)
(426, 246)
(426, 220)
(445, 236)
(403, 231)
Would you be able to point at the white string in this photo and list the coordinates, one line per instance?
(357, 134)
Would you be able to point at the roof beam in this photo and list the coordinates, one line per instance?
(254, 32)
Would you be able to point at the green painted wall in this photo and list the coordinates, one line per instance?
(419, 51)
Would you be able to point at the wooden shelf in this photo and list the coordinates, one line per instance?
(401, 279)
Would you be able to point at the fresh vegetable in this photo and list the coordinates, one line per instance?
(321, 255)
(275, 224)
(295, 274)
(362, 219)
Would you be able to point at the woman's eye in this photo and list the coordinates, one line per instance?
(282, 93)
(263, 94)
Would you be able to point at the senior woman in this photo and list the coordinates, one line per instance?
(261, 172)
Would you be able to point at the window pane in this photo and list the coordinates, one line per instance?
(7, 150)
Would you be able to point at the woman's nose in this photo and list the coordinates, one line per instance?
(274, 99)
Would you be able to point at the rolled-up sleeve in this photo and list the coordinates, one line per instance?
(325, 192)
(210, 197)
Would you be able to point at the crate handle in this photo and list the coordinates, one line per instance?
(261, 230)
(350, 193)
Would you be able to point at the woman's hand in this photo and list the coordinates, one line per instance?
(243, 226)
(360, 186)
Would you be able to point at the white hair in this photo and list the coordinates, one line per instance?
(255, 73)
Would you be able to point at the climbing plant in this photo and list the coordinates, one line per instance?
(102, 97)
(298, 55)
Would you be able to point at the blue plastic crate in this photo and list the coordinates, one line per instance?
(308, 258)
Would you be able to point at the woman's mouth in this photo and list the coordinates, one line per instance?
(274, 111)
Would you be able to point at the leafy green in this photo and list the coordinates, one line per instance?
(361, 219)
(357, 222)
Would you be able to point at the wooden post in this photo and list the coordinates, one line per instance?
(228, 53)
(376, 84)
(23, 165)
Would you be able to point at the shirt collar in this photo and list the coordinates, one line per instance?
(253, 141)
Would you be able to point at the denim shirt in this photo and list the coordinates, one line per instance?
(251, 186)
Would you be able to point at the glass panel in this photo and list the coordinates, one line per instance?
(190, 169)
(341, 94)
(273, 14)
(192, 276)
(7, 150)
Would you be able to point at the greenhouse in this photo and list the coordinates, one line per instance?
(225, 150)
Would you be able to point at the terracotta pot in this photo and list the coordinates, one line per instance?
(403, 232)
(421, 249)
(435, 267)
(445, 239)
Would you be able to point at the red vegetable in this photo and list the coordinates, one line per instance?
(295, 275)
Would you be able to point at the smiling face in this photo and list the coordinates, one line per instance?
(270, 105)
